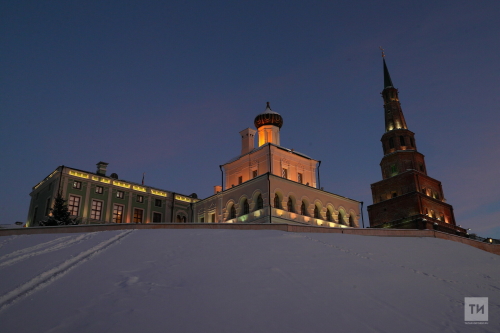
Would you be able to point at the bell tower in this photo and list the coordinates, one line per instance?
(406, 197)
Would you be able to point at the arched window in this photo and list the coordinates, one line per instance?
(232, 212)
(402, 140)
(316, 212)
(341, 218)
(328, 215)
(411, 142)
(178, 219)
(246, 207)
(351, 221)
(260, 202)
(277, 201)
(289, 205)
(303, 210)
(183, 219)
(391, 143)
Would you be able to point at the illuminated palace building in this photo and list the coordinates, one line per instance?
(264, 184)
(406, 197)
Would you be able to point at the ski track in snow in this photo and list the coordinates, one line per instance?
(48, 277)
(451, 283)
(33, 251)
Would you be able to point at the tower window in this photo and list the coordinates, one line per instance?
(284, 174)
(240, 180)
(411, 142)
(422, 167)
(254, 173)
(391, 143)
(402, 140)
(394, 170)
(299, 178)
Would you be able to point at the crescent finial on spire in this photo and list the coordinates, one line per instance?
(381, 49)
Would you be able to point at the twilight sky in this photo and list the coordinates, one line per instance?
(164, 87)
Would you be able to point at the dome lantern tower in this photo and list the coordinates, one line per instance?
(268, 125)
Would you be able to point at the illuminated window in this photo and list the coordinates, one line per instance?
(402, 140)
(73, 204)
(158, 202)
(138, 215)
(47, 207)
(260, 202)
(77, 185)
(391, 143)
(277, 201)
(299, 178)
(284, 173)
(394, 170)
(303, 210)
(156, 217)
(232, 212)
(96, 211)
(254, 173)
(289, 205)
(99, 189)
(246, 207)
(240, 180)
(140, 198)
(117, 213)
(120, 194)
(316, 212)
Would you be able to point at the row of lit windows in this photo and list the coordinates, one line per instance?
(402, 142)
(97, 207)
(290, 208)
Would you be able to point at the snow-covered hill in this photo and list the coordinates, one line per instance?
(241, 281)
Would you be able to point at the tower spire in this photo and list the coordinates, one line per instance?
(387, 76)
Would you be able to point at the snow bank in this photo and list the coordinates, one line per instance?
(241, 281)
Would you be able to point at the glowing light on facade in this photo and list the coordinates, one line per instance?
(105, 181)
(78, 174)
(160, 193)
(121, 184)
(95, 178)
(139, 188)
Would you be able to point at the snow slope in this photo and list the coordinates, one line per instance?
(241, 281)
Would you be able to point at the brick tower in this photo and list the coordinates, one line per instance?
(406, 197)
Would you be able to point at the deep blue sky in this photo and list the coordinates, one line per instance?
(164, 88)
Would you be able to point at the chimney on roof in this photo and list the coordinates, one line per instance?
(247, 140)
(101, 168)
